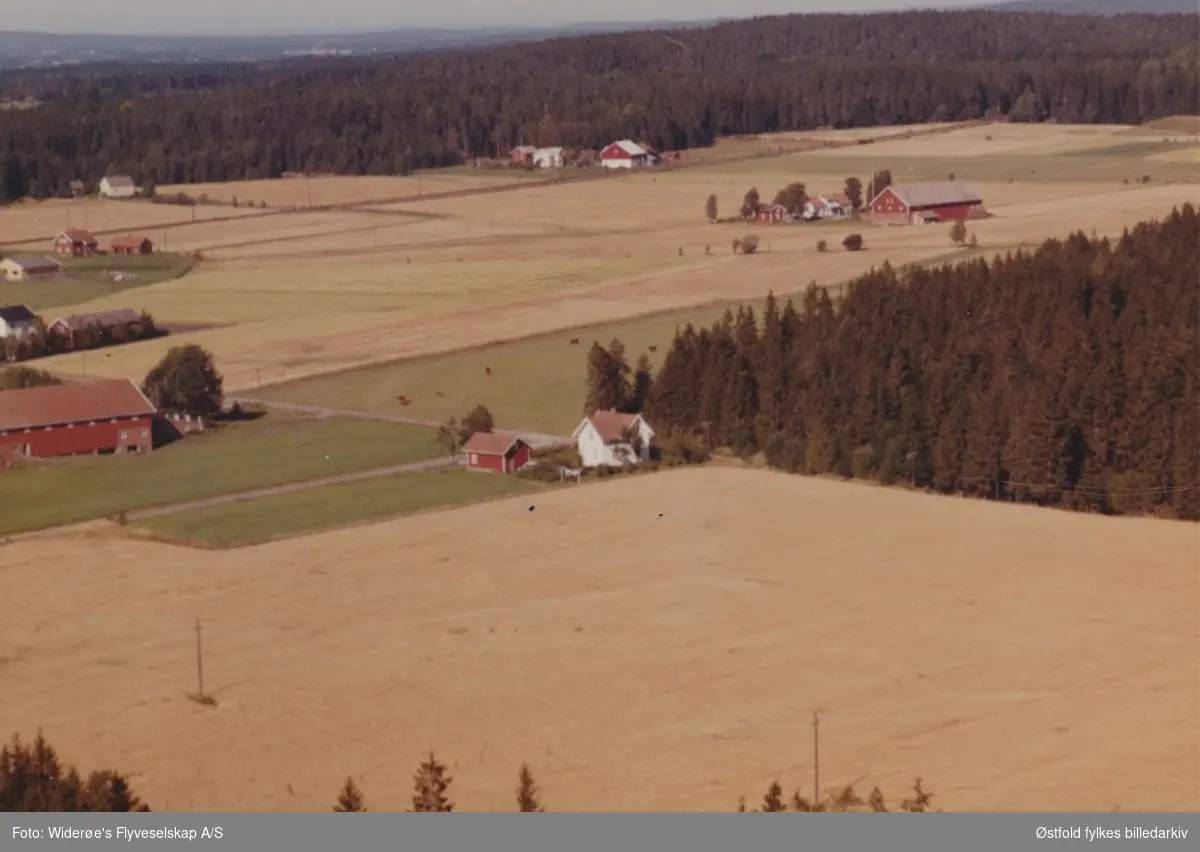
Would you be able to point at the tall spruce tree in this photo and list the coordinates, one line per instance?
(350, 799)
(430, 784)
(528, 800)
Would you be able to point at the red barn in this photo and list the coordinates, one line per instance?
(75, 242)
(522, 155)
(65, 420)
(496, 451)
(625, 154)
(772, 214)
(926, 202)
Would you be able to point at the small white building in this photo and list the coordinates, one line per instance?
(28, 268)
(548, 158)
(17, 321)
(827, 207)
(605, 438)
(118, 186)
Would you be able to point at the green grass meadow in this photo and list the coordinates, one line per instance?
(274, 450)
(83, 279)
(317, 509)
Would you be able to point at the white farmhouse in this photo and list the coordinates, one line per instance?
(118, 186)
(17, 322)
(548, 158)
(604, 438)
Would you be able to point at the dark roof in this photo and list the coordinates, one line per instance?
(491, 443)
(936, 194)
(71, 403)
(35, 261)
(78, 322)
(13, 314)
(78, 235)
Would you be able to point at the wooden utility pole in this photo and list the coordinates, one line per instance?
(816, 760)
(199, 663)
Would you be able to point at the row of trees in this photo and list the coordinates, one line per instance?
(44, 341)
(34, 780)
(199, 123)
(794, 197)
(1067, 376)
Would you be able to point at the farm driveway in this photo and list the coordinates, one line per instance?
(412, 467)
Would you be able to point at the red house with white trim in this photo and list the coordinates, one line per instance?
(771, 214)
(497, 452)
(626, 154)
(77, 418)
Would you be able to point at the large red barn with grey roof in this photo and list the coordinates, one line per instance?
(76, 418)
(918, 203)
(499, 452)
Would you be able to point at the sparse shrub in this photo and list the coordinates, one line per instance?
(974, 241)
(958, 232)
(853, 242)
(822, 246)
(749, 244)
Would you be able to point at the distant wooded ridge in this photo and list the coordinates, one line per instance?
(673, 89)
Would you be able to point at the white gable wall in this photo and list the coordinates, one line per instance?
(594, 452)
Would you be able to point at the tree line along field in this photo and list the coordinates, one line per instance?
(394, 115)
(1015, 657)
(341, 289)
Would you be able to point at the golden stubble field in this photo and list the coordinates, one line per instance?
(1015, 658)
(304, 293)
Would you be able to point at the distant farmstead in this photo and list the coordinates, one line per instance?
(613, 439)
(76, 418)
(498, 452)
(84, 330)
(922, 203)
(132, 245)
(828, 207)
(28, 268)
(118, 186)
(75, 242)
(626, 154)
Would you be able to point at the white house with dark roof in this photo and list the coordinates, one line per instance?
(28, 267)
(118, 186)
(607, 438)
(17, 321)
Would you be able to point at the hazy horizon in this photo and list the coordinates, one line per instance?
(307, 17)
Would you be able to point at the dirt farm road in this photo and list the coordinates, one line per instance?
(238, 497)
(536, 440)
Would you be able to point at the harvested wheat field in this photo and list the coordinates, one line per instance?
(1015, 658)
(42, 221)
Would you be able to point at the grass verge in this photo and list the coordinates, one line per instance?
(275, 450)
(303, 512)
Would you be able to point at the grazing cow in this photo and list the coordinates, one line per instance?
(487, 370)
(439, 393)
(403, 400)
(574, 341)
(653, 348)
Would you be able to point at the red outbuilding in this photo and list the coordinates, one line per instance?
(771, 214)
(76, 418)
(132, 245)
(921, 203)
(496, 451)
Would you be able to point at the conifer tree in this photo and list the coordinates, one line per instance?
(607, 380)
(643, 385)
(430, 784)
(350, 800)
(528, 800)
(773, 800)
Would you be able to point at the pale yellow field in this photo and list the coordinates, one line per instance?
(1015, 658)
(301, 293)
(317, 191)
(1026, 139)
(1182, 155)
(44, 220)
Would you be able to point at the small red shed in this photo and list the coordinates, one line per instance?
(74, 418)
(132, 245)
(497, 452)
(771, 214)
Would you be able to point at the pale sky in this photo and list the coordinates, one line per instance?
(246, 17)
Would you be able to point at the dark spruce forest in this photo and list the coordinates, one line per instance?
(1068, 376)
(190, 123)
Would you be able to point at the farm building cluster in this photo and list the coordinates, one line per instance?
(71, 243)
(84, 418)
(603, 439)
(911, 204)
(622, 154)
(24, 334)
